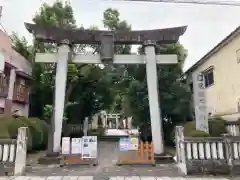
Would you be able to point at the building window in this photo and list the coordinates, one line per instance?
(208, 77)
(1, 110)
(191, 87)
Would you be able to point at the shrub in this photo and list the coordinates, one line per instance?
(35, 130)
(45, 129)
(12, 127)
(188, 127)
(37, 133)
(4, 128)
(217, 127)
(41, 128)
(197, 133)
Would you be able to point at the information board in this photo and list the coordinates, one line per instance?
(133, 145)
(124, 144)
(66, 145)
(76, 146)
(89, 147)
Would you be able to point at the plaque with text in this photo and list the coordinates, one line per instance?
(201, 114)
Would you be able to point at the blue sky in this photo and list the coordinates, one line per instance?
(207, 25)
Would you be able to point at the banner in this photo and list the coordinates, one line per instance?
(66, 145)
(89, 147)
(76, 146)
(201, 114)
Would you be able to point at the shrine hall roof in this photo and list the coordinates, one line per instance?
(81, 36)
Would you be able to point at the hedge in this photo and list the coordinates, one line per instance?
(12, 127)
(37, 130)
(3, 128)
(197, 133)
(216, 128)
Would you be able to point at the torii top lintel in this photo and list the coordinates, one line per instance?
(80, 36)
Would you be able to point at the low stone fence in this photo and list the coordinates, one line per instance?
(215, 155)
(13, 154)
(232, 128)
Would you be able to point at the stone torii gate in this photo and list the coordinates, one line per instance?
(107, 39)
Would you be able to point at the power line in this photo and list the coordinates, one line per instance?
(203, 2)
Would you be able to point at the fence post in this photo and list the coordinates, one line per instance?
(180, 149)
(21, 152)
(228, 150)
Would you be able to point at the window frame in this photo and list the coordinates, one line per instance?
(206, 74)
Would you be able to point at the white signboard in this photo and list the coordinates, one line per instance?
(76, 146)
(66, 145)
(89, 147)
(201, 114)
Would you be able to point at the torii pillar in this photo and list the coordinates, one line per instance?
(60, 91)
(153, 97)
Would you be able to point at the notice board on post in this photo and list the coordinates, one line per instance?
(89, 147)
(80, 151)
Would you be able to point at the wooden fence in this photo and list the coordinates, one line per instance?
(144, 155)
(216, 155)
(13, 154)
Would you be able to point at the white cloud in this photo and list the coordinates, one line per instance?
(207, 25)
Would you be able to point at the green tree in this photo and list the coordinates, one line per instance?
(111, 21)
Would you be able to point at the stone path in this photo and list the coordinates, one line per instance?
(109, 178)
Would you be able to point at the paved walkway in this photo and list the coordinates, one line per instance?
(109, 178)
